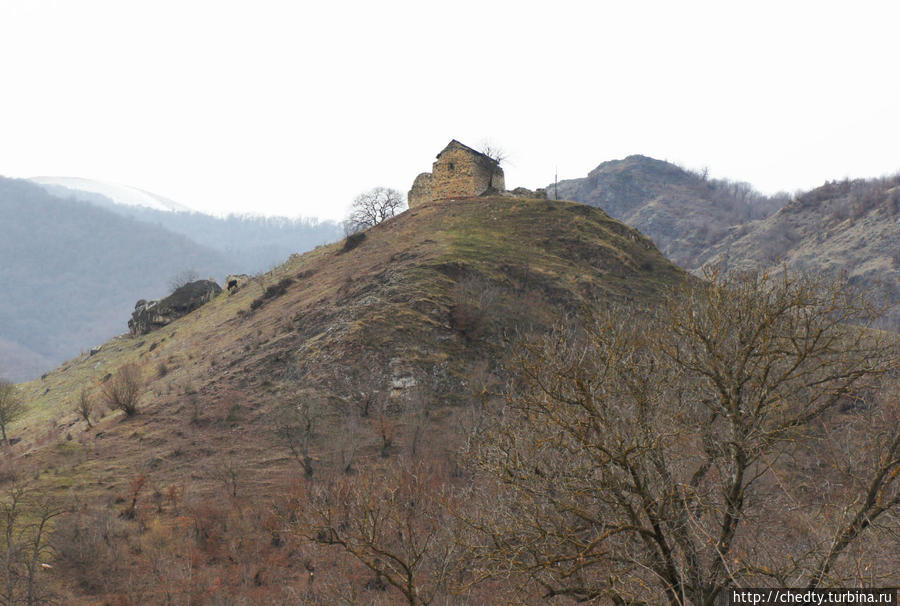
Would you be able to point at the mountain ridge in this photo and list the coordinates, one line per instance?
(116, 192)
(83, 260)
(77, 269)
(683, 212)
(849, 227)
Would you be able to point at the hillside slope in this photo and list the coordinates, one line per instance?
(381, 344)
(73, 272)
(845, 226)
(682, 212)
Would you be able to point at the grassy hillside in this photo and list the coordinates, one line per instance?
(365, 349)
(440, 283)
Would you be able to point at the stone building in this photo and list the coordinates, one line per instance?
(459, 172)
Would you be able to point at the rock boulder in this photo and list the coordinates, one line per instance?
(150, 315)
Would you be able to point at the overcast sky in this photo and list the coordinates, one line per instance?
(293, 108)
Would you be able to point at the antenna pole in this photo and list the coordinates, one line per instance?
(556, 183)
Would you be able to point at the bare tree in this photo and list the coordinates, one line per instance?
(373, 207)
(494, 152)
(11, 406)
(26, 525)
(393, 521)
(85, 406)
(662, 457)
(294, 429)
(124, 389)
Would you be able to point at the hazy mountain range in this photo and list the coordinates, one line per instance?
(75, 262)
(81, 258)
(110, 195)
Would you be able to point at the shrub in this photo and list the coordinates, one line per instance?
(11, 406)
(124, 389)
(473, 308)
(276, 290)
(85, 406)
(272, 292)
(352, 241)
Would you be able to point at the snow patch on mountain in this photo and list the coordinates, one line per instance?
(119, 194)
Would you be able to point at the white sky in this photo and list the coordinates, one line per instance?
(293, 108)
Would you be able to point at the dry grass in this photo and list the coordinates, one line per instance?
(346, 328)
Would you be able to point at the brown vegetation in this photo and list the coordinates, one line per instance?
(85, 406)
(661, 458)
(124, 389)
(310, 452)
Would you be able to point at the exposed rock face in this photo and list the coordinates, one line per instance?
(150, 315)
(460, 172)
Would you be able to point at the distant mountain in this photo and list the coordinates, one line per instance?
(75, 261)
(683, 212)
(252, 243)
(109, 193)
(17, 362)
(850, 227)
(72, 272)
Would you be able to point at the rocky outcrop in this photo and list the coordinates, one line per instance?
(235, 282)
(151, 315)
(524, 192)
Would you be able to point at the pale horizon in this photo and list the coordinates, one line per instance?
(281, 109)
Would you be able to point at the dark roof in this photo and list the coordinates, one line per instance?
(455, 143)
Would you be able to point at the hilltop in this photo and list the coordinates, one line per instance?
(683, 212)
(847, 226)
(379, 345)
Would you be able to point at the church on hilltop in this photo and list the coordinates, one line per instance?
(459, 172)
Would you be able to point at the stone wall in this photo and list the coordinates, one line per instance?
(460, 172)
(421, 191)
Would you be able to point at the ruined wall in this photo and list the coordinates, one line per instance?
(459, 173)
(421, 191)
